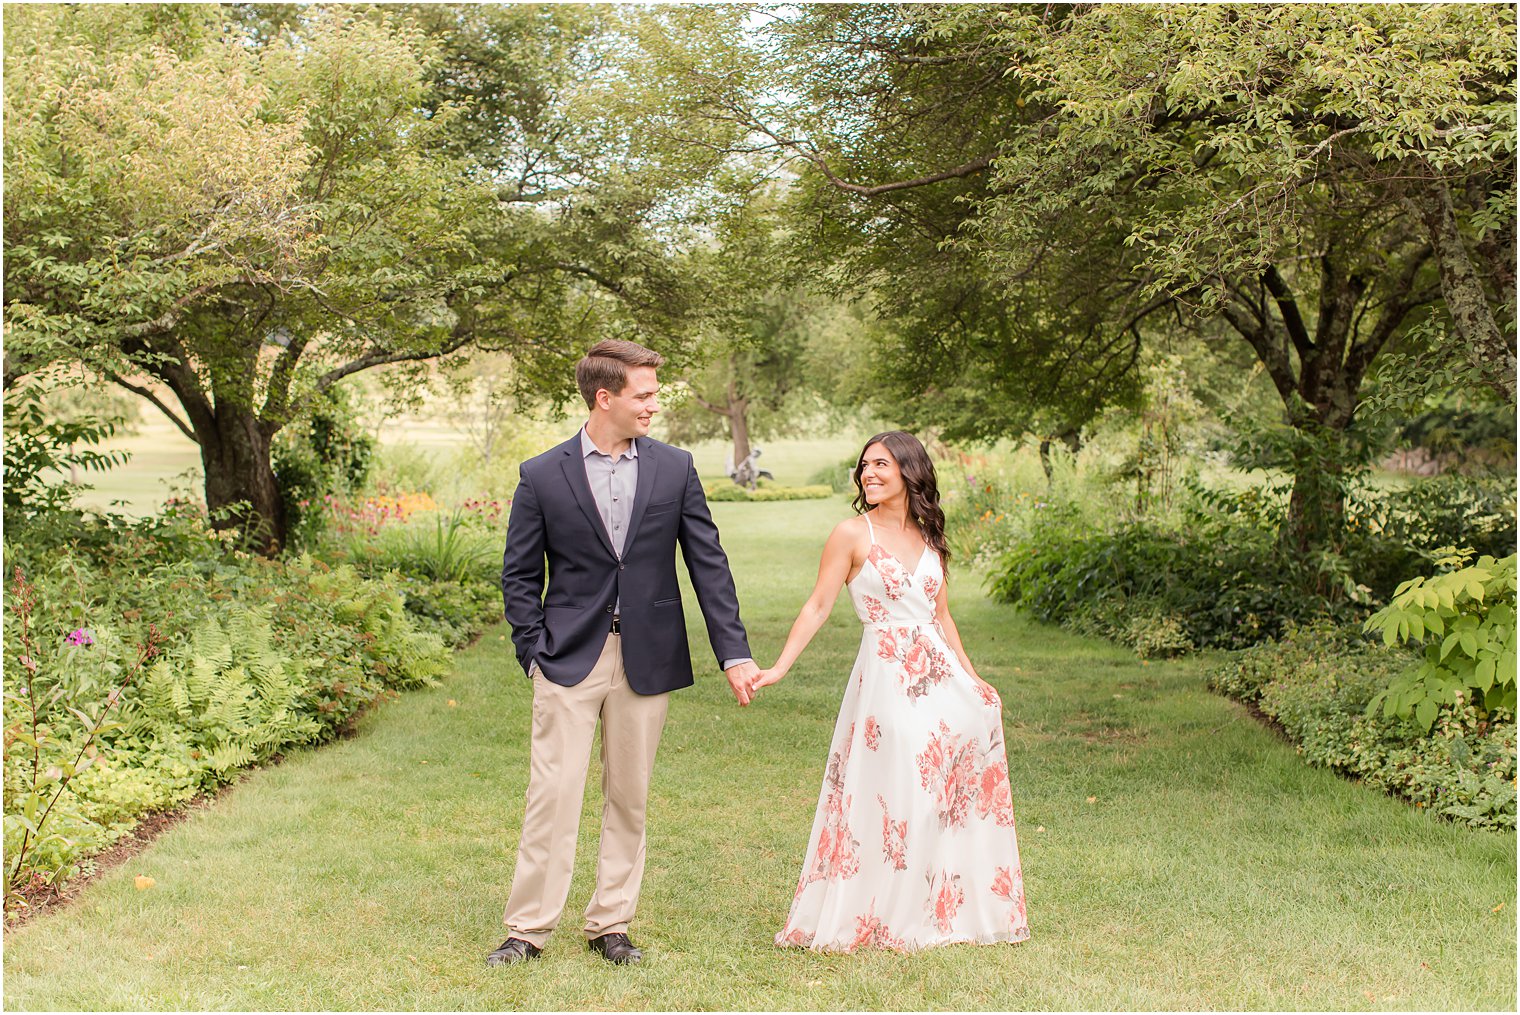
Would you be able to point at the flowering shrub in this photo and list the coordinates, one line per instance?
(347, 515)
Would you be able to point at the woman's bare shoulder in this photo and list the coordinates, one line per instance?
(853, 527)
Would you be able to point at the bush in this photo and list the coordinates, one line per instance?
(447, 567)
(1217, 586)
(837, 477)
(36, 443)
(1465, 619)
(721, 492)
(1219, 578)
(984, 520)
(1317, 682)
(1393, 534)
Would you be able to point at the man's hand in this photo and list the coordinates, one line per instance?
(740, 678)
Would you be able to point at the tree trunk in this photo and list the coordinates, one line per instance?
(1472, 315)
(1317, 507)
(738, 423)
(1071, 438)
(241, 492)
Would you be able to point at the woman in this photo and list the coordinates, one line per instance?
(913, 844)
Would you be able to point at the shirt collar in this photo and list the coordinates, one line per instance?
(588, 448)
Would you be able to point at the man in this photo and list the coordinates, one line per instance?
(607, 640)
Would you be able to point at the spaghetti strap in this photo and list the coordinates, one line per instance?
(869, 528)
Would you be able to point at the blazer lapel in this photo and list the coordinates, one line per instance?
(644, 490)
(575, 474)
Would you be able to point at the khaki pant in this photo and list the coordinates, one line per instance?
(564, 722)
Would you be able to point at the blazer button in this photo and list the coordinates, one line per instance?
(620, 567)
(609, 609)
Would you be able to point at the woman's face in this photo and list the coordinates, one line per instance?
(880, 477)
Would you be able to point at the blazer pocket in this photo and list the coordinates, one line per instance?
(666, 602)
(662, 507)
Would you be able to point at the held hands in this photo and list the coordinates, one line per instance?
(765, 678)
(741, 679)
(746, 679)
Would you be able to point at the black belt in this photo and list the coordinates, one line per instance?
(617, 624)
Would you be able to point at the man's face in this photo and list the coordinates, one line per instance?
(632, 411)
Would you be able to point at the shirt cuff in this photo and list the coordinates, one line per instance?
(729, 664)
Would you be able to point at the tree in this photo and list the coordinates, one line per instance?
(243, 225)
(758, 326)
(229, 210)
(1303, 178)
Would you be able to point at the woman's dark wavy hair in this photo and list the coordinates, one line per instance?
(918, 477)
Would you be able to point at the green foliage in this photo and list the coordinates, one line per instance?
(1224, 586)
(445, 566)
(250, 658)
(721, 492)
(836, 477)
(1317, 682)
(1465, 619)
(327, 453)
(36, 443)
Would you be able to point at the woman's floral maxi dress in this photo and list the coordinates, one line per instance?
(913, 844)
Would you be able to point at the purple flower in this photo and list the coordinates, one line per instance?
(80, 636)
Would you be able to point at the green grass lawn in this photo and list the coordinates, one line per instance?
(1210, 869)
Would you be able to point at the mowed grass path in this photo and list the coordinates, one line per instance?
(1212, 869)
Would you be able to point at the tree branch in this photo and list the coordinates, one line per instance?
(147, 393)
(1271, 357)
(1287, 305)
(378, 357)
(704, 403)
(976, 165)
(170, 317)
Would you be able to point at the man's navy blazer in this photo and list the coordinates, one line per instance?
(554, 520)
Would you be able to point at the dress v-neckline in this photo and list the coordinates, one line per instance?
(913, 573)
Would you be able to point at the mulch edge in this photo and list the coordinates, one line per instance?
(45, 898)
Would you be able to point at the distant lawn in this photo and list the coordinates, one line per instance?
(162, 459)
(1212, 869)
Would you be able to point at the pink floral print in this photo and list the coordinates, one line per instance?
(994, 799)
(947, 768)
(836, 855)
(894, 838)
(873, 733)
(989, 695)
(894, 577)
(870, 932)
(945, 899)
(1008, 885)
(924, 661)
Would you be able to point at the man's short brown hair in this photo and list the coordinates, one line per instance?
(606, 364)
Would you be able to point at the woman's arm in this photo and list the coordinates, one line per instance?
(833, 569)
(953, 636)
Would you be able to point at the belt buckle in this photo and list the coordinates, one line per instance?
(617, 624)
